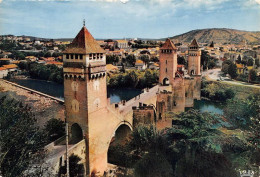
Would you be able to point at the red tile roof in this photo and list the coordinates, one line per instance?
(84, 43)
(2, 68)
(194, 43)
(11, 66)
(168, 45)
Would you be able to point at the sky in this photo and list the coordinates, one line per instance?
(125, 18)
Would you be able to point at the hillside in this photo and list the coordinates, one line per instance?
(220, 35)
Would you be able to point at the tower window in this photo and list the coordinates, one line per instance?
(166, 70)
(71, 56)
(81, 56)
(76, 56)
(67, 56)
(166, 61)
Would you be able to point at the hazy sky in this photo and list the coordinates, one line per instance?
(130, 18)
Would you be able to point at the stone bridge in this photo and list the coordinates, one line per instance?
(115, 122)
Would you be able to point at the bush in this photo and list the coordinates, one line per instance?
(43, 72)
(76, 168)
(217, 92)
(153, 165)
(134, 79)
(54, 129)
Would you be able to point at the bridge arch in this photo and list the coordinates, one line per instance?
(123, 129)
(192, 72)
(119, 137)
(76, 133)
(166, 81)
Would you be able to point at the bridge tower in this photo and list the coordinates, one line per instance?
(85, 95)
(168, 63)
(194, 59)
(194, 68)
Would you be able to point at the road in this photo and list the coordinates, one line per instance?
(215, 75)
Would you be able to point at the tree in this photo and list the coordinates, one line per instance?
(250, 61)
(225, 68)
(181, 60)
(48, 54)
(240, 111)
(232, 71)
(131, 59)
(155, 165)
(132, 79)
(148, 78)
(76, 168)
(112, 59)
(252, 75)
(204, 59)
(21, 141)
(239, 59)
(154, 59)
(211, 63)
(257, 63)
(145, 58)
(211, 44)
(55, 129)
(197, 145)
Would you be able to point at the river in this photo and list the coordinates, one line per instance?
(57, 90)
(115, 95)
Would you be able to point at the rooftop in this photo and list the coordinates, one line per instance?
(168, 45)
(11, 66)
(84, 43)
(194, 43)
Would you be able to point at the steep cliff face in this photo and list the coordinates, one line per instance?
(219, 35)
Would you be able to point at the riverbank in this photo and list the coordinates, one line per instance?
(44, 108)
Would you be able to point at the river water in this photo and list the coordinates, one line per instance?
(115, 95)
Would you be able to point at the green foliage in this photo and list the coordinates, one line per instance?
(250, 61)
(133, 79)
(75, 168)
(239, 59)
(232, 70)
(253, 75)
(145, 58)
(112, 59)
(21, 142)
(43, 72)
(228, 67)
(131, 59)
(18, 55)
(207, 61)
(54, 129)
(154, 59)
(153, 165)
(121, 155)
(242, 77)
(181, 60)
(257, 63)
(240, 111)
(217, 92)
(9, 46)
(192, 147)
(225, 68)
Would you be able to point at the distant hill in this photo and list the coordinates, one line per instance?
(220, 35)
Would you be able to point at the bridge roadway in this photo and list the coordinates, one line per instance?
(148, 97)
